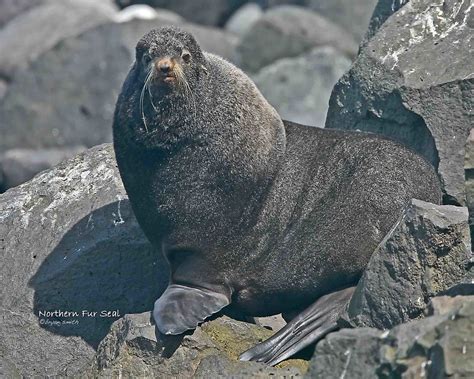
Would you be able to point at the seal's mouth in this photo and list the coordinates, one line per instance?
(171, 78)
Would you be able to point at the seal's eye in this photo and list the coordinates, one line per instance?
(146, 59)
(186, 55)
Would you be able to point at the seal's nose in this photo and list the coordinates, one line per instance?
(164, 65)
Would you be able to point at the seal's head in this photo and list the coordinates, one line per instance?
(169, 61)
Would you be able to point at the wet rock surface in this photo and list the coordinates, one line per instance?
(413, 81)
(426, 253)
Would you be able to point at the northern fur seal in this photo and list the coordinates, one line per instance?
(252, 214)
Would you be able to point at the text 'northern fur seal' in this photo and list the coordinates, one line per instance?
(252, 214)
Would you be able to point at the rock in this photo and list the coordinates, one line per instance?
(288, 31)
(243, 19)
(20, 165)
(273, 323)
(439, 346)
(132, 349)
(464, 288)
(413, 81)
(353, 17)
(425, 253)
(349, 353)
(145, 12)
(3, 88)
(67, 96)
(299, 88)
(442, 305)
(46, 25)
(9, 9)
(207, 12)
(265, 4)
(383, 10)
(469, 176)
(69, 243)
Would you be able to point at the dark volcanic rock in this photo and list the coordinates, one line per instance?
(426, 253)
(383, 10)
(69, 243)
(299, 88)
(353, 16)
(440, 346)
(132, 349)
(19, 165)
(45, 25)
(414, 81)
(207, 12)
(67, 96)
(469, 176)
(288, 31)
(349, 353)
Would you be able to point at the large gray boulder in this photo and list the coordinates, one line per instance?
(353, 16)
(37, 29)
(439, 346)
(299, 88)
(426, 253)
(132, 349)
(67, 96)
(288, 31)
(69, 242)
(414, 81)
(20, 165)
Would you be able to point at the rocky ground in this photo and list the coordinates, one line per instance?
(68, 237)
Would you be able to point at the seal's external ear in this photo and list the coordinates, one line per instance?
(182, 308)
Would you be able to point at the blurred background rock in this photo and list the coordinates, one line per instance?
(62, 63)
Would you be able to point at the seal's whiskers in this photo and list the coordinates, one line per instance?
(146, 87)
(183, 83)
(142, 95)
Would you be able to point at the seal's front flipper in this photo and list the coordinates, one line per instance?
(182, 308)
(308, 327)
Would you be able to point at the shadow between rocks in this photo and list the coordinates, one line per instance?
(104, 264)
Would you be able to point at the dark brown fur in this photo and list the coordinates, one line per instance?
(248, 212)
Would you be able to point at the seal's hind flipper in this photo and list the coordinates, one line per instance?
(308, 327)
(182, 308)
